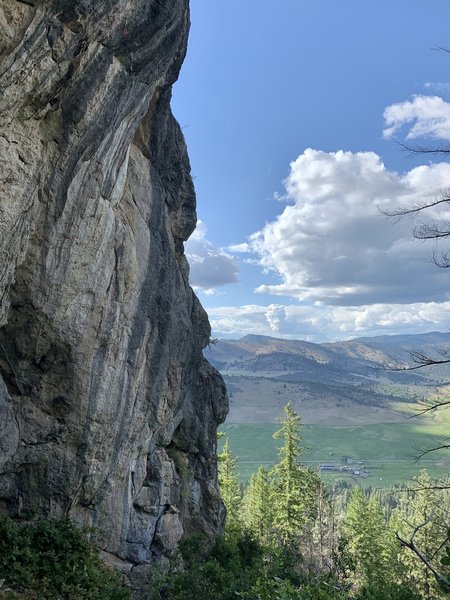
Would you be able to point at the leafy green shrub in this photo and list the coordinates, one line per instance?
(236, 566)
(52, 561)
(392, 591)
(219, 572)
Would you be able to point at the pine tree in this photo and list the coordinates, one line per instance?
(230, 486)
(295, 486)
(258, 504)
(370, 545)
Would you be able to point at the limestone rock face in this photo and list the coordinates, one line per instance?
(108, 410)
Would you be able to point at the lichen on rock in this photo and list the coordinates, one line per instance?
(103, 385)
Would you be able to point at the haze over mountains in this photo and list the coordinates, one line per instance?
(340, 383)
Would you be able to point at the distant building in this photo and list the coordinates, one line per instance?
(328, 467)
(346, 468)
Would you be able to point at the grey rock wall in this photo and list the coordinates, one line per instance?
(108, 410)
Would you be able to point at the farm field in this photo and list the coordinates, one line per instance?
(389, 451)
(354, 397)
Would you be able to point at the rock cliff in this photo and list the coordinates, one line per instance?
(108, 410)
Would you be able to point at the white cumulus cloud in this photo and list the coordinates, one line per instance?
(331, 244)
(328, 323)
(210, 267)
(428, 116)
(352, 271)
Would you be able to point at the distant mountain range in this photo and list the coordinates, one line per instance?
(351, 382)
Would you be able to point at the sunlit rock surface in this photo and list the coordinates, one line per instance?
(108, 411)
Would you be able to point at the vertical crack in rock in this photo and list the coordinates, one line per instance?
(108, 410)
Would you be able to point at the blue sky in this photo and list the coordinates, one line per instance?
(283, 106)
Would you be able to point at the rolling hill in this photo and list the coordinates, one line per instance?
(354, 382)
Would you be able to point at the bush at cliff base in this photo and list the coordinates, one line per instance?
(236, 567)
(51, 561)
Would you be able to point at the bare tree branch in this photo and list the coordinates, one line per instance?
(437, 230)
(435, 449)
(442, 49)
(430, 231)
(426, 562)
(427, 361)
(411, 545)
(436, 552)
(423, 149)
(427, 487)
(420, 360)
(420, 206)
(430, 408)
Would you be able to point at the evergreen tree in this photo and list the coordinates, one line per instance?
(258, 504)
(230, 487)
(295, 486)
(370, 545)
